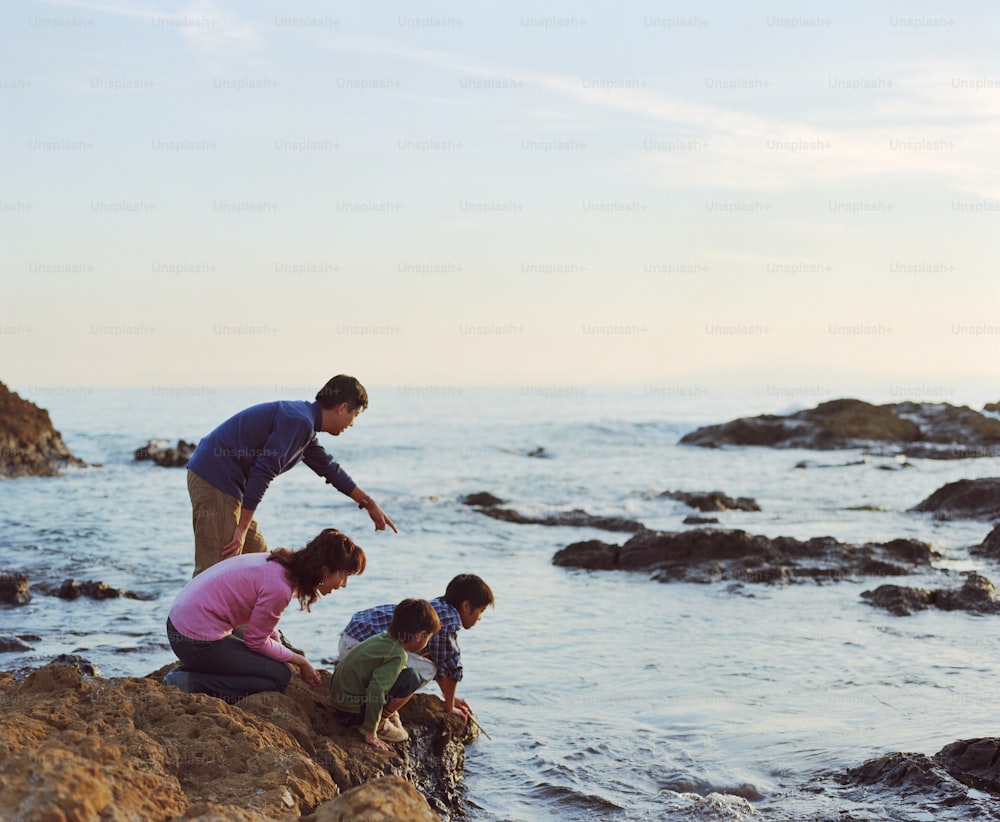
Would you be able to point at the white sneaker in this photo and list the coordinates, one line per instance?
(389, 731)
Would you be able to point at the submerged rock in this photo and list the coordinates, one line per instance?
(713, 501)
(928, 430)
(710, 555)
(77, 747)
(29, 445)
(576, 518)
(964, 499)
(159, 452)
(977, 596)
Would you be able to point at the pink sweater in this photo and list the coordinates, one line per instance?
(244, 590)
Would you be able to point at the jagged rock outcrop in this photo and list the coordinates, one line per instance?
(29, 445)
(75, 746)
(710, 555)
(964, 499)
(977, 596)
(928, 430)
(162, 454)
(940, 780)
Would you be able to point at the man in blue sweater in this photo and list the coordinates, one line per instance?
(233, 466)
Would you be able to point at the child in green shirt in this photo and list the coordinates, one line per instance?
(371, 683)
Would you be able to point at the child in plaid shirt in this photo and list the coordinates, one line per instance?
(463, 603)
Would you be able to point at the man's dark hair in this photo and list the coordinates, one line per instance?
(468, 587)
(342, 388)
(411, 617)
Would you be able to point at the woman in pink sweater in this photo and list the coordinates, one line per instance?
(252, 590)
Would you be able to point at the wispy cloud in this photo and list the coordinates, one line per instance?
(203, 23)
(930, 126)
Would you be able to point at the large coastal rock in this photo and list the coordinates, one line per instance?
(964, 499)
(710, 555)
(29, 445)
(929, 430)
(81, 747)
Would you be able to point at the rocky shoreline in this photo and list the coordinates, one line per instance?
(77, 746)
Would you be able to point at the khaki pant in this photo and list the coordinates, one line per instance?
(214, 516)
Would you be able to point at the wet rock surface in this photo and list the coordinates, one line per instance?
(159, 452)
(933, 784)
(576, 518)
(989, 547)
(927, 430)
(711, 555)
(29, 444)
(76, 746)
(482, 499)
(976, 596)
(14, 589)
(713, 501)
(964, 499)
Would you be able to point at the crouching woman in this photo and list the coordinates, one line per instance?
(253, 590)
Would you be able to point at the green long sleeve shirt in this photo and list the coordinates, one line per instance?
(363, 677)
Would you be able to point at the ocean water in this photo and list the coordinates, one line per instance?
(607, 695)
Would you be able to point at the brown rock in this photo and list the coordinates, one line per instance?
(577, 518)
(159, 452)
(388, 799)
(86, 748)
(928, 430)
(29, 445)
(976, 596)
(14, 589)
(711, 554)
(973, 762)
(989, 547)
(482, 499)
(713, 501)
(964, 499)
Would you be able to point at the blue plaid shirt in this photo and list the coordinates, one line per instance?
(443, 648)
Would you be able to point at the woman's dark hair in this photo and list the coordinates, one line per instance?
(342, 388)
(329, 549)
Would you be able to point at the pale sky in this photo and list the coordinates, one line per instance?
(261, 193)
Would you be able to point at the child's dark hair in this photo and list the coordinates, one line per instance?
(329, 549)
(342, 388)
(411, 617)
(468, 587)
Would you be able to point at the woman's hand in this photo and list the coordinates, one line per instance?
(309, 674)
